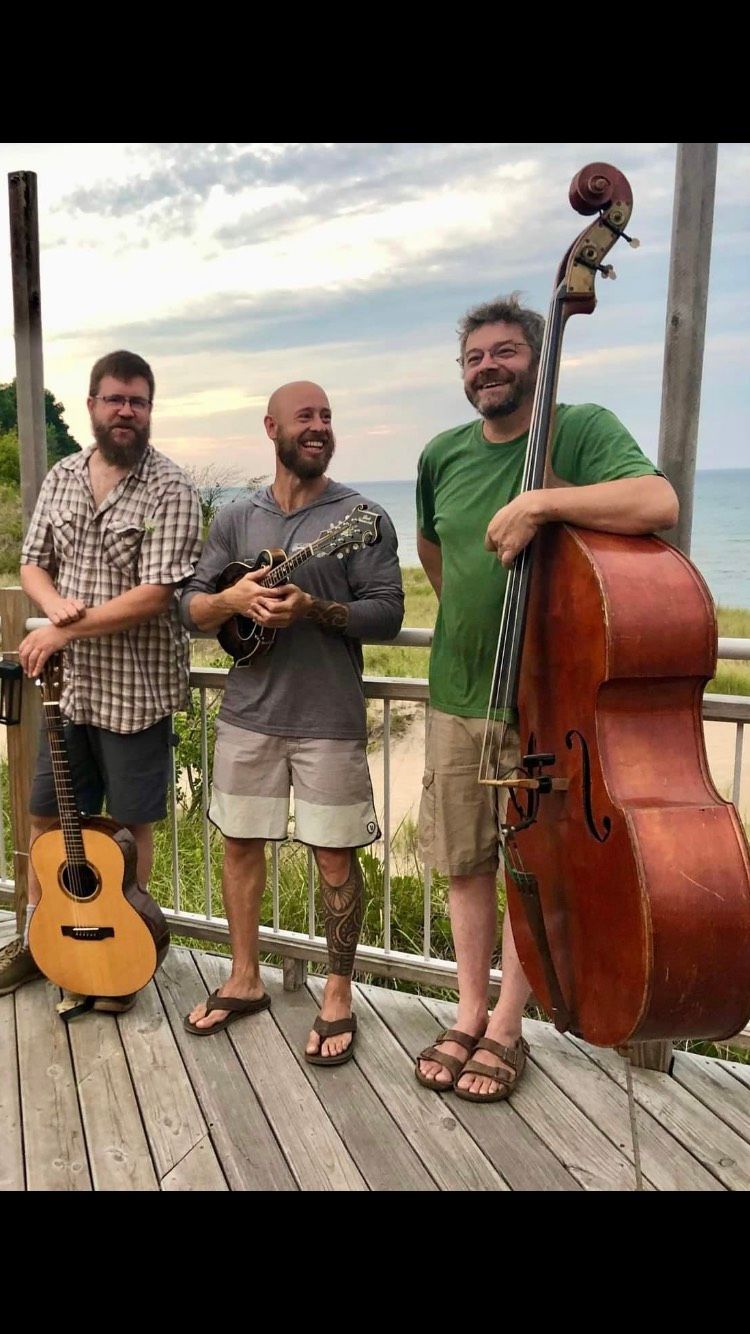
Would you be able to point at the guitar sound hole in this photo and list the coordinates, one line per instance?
(79, 879)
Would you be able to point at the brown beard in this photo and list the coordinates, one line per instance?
(287, 450)
(521, 387)
(120, 455)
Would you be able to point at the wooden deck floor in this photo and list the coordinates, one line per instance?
(136, 1103)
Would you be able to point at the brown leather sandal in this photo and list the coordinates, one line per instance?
(514, 1056)
(452, 1064)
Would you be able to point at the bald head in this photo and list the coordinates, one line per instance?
(298, 393)
(298, 420)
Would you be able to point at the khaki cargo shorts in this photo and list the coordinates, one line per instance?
(460, 818)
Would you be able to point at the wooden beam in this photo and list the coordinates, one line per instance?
(687, 299)
(23, 739)
(27, 315)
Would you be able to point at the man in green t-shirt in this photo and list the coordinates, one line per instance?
(473, 520)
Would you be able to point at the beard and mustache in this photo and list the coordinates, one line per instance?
(520, 387)
(122, 453)
(288, 450)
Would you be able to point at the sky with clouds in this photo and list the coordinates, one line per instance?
(233, 268)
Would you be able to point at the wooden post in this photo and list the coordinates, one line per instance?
(295, 972)
(689, 264)
(27, 313)
(650, 1055)
(15, 607)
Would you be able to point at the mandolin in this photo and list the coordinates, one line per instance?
(95, 931)
(245, 639)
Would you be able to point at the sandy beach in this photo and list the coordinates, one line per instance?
(407, 765)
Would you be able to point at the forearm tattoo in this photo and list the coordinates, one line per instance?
(342, 910)
(331, 615)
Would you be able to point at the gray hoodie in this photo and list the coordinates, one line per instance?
(310, 683)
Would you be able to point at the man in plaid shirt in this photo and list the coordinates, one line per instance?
(115, 532)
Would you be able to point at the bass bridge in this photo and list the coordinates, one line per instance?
(525, 792)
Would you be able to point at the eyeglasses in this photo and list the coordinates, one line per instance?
(135, 401)
(500, 352)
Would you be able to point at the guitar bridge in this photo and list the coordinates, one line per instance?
(88, 932)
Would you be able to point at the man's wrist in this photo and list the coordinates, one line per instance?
(329, 615)
(541, 505)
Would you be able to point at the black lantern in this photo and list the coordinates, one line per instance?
(11, 682)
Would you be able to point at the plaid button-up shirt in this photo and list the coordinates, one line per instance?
(146, 531)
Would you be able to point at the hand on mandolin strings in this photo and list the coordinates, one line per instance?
(276, 608)
(282, 606)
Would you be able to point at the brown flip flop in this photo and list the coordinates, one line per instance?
(237, 1008)
(330, 1028)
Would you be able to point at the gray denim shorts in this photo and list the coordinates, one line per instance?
(130, 770)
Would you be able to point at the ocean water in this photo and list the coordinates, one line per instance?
(720, 545)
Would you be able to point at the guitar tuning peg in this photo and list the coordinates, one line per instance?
(632, 241)
(607, 271)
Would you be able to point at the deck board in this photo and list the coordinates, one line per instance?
(244, 1142)
(118, 1151)
(520, 1157)
(135, 1103)
(665, 1164)
(54, 1142)
(448, 1152)
(568, 1132)
(352, 1104)
(172, 1118)
(314, 1151)
(720, 1150)
(11, 1139)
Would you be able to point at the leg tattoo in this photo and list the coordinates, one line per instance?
(342, 909)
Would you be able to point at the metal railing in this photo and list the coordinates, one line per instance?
(382, 960)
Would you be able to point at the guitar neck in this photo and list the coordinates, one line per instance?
(69, 815)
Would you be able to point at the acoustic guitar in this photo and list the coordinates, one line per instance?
(245, 639)
(95, 931)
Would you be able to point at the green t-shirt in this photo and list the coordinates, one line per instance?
(462, 481)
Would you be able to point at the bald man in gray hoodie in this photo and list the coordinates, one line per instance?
(295, 717)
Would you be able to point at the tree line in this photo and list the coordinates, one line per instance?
(59, 443)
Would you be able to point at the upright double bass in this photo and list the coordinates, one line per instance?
(628, 875)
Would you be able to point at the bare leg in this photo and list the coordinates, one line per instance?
(473, 909)
(505, 1021)
(343, 917)
(243, 882)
